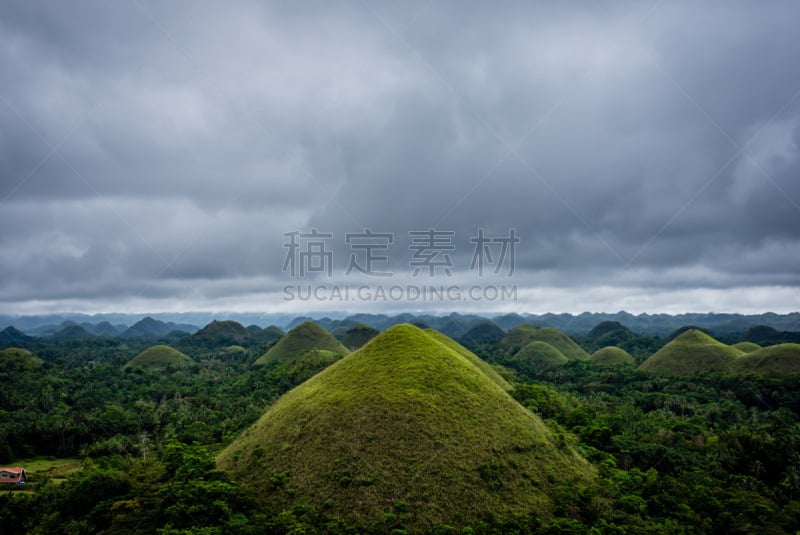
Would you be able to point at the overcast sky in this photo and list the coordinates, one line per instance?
(153, 155)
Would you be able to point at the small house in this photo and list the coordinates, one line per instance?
(13, 476)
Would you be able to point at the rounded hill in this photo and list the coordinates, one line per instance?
(746, 347)
(17, 359)
(220, 334)
(537, 357)
(780, 358)
(611, 356)
(525, 334)
(482, 333)
(407, 426)
(691, 352)
(358, 335)
(517, 337)
(160, 357)
(306, 337)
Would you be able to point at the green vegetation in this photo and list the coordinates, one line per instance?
(160, 357)
(537, 357)
(746, 347)
(113, 450)
(53, 469)
(405, 433)
(611, 356)
(692, 352)
(305, 337)
(359, 335)
(18, 359)
(781, 358)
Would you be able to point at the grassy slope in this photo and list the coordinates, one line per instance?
(300, 340)
(692, 352)
(781, 358)
(158, 357)
(536, 357)
(56, 469)
(612, 356)
(484, 366)
(746, 347)
(405, 419)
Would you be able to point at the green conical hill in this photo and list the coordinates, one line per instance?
(525, 334)
(159, 357)
(305, 337)
(220, 334)
(408, 426)
(517, 337)
(359, 335)
(611, 356)
(537, 357)
(691, 352)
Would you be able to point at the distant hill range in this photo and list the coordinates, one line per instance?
(469, 328)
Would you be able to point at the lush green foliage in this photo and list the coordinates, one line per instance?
(15, 359)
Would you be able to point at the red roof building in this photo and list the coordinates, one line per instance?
(13, 476)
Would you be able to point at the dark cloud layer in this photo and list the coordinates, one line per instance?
(152, 155)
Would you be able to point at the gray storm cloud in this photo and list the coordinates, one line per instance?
(155, 153)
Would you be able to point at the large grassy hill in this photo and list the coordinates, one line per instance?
(307, 336)
(691, 352)
(404, 433)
